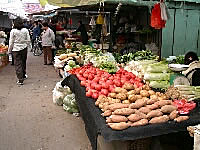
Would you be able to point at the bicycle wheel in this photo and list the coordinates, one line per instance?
(37, 50)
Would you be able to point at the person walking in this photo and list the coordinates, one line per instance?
(36, 32)
(48, 38)
(18, 42)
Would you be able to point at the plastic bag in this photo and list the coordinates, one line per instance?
(69, 104)
(58, 97)
(100, 19)
(65, 90)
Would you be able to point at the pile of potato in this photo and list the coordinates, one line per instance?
(130, 106)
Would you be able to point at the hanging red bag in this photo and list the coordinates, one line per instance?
(156, 20)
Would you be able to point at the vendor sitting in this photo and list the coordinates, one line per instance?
(193, 72)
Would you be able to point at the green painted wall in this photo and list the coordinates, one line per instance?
(182, 31)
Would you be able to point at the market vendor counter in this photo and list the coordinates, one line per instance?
(95, 124)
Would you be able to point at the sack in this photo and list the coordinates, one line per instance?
(100, 19)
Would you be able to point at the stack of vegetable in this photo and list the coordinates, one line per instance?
(158, 74)
(130, 106)
(99, 82)
(139, 55)
(184, 91)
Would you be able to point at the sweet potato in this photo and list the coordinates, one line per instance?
(160, 119)
(123, 111)
(153, 106)
(132, 98)
(173, 115)
(131, 92)
(151, 92)
(142, 115)
(141, 122)
(113, 101)
(181, 118)
(128, 86)
(112, 95)
(107, 113)
(154, 97)
(151, 101)
(134, 117)
(144, 110)
(115, 106)
(154, 113)
(164, 102)
(168, 108)
(141, 102)
(118, 118)
(119, 126)
(108, 120)
(138, 97)
(97, 103)
(120, 90)
(137, 90)
(121, 96)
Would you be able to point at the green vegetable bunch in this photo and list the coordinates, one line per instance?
(108, 66)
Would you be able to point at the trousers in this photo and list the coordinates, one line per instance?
(47, 54)
(20, 58)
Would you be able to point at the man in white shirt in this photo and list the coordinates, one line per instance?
(18, 43)
(48, 38)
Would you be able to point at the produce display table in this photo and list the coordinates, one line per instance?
(95, 124)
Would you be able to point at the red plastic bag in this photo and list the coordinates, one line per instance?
(156, 20)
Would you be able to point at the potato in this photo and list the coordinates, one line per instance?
(142, 115)
(153, 106)
(119, 126)
(132, 98)
(181, 118)
(108, 120)
(118, 118)
(134, 117)
(115, 106)
(146, 87)
(131, 92)
(123, 111)
(141, 122)
(126, 102)
(128, 86)
(160, 119)
(112, 95)
(113, 101)
(107, 113)
(121, 96)
(154, 113)
(168, 108)
(144, 110)
(151, 101)
(151, 92)
(97, 103)
(158, 94)
(120, 90)
(173, 115)
(164, 102)
(137, 90)
(144, 93)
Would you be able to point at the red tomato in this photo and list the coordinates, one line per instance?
(93, 85)
(96, 79)
(111, 78)
(85, 75)
(87, 89)
(90, 77)
(95, 95)
(89, 93)
(82, 79)
(81, 72)
(83, 83)
(104, 91)
(98, 87)
(109, 82)
(105, 85)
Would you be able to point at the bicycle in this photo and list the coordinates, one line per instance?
(37, 47)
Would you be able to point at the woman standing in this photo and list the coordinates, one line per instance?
(18, 43)
(48, 38)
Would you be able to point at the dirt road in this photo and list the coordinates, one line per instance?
(28, 118)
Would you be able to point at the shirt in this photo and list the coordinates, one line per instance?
(19, 39)
(48, 37)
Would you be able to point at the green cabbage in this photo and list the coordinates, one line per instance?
(157, 76)
(159, 84)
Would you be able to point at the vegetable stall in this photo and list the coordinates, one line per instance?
(129, 99)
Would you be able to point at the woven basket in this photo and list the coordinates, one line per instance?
(140, 144)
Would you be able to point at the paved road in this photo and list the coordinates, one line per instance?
(28, 118)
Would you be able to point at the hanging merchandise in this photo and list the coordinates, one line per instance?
(92, 22)
(100, 19)
(70, 21)
(156, 20)
(104, 27)
(164, 12)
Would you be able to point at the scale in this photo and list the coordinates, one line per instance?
(177, 78)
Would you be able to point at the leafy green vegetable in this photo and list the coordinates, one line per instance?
(159, 84)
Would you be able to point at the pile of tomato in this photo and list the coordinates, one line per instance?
(99, 82)
(184, 107)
